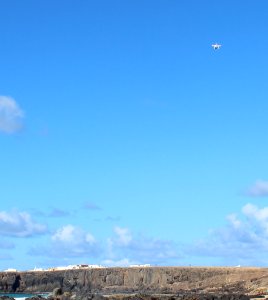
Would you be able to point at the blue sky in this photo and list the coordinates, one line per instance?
(126, 139)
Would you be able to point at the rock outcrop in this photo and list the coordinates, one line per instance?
(152, 280)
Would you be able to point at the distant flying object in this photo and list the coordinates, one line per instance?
(216, 46)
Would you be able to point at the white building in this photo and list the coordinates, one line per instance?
(37, 270)
(95, 267)
(75, 267)
(140, 266)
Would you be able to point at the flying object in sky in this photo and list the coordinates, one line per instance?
(216, 46)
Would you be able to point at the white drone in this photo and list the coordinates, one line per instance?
(216, 46)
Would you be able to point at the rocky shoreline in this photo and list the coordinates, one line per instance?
(141, 283)
(138, 296)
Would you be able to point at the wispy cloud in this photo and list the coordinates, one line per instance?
(54, 212)
(238, 241)
(58, 213)
(244, 235)
(67, 242)
(19, 224)
(141, 249)
(11, 115)
(4, 244)
(70, 243)
(91, 206)
(123, 236)
(113, 219)
(258, 189)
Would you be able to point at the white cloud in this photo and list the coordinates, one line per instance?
(11, 115)
(232, 218)
(140, 249)
(123, 236)
(259, 189)
(252, 211)
(65, 234)
(19, 224)
(72, 235)
(243, 240)
(257, 216)
(69, 241)
(90, 239)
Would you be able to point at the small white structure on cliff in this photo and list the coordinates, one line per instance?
(95, 267)
(37, 270)
(75, 267)
(140, 266)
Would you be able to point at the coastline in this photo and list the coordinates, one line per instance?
(160, 280)
(23, 296)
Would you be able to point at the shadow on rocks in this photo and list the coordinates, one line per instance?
(37, 297)
(141, 296)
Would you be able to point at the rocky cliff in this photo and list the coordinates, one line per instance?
(148, 280)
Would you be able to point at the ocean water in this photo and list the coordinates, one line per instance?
(22, 296)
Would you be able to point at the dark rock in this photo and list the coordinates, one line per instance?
(57, 292)
(140, 283)
(37, 297)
